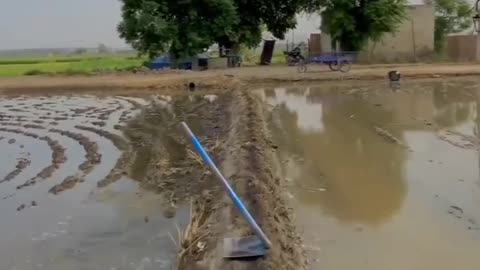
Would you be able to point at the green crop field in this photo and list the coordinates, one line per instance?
(67, 65)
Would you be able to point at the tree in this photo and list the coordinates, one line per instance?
(80, 51)
(452, 16)
(186, 27)
(102, 48)
(354, 23)
(181, 27)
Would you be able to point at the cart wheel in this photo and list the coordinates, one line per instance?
(291, 62)
(334, 66)
(302, 67)
(345, 66)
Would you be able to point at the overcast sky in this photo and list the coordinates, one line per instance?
(28, 24)
(58, 23)
(78, 23)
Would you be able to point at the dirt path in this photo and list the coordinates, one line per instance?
(226, 79)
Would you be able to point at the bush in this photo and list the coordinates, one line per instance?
(128, 69)
(68, 60)
(34, 72)
(72, 72)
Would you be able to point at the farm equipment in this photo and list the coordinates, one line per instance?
(336, 61)
(240, 247)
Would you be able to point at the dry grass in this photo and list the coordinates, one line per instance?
(195, 156)
(190, 240)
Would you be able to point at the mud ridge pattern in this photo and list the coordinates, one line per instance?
(21, 165)
(58, 156)
(122, 163)
(72, 117)
(458, 139)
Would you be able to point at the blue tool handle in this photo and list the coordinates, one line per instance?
(236, 200)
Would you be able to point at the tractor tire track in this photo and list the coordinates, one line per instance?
(122, 163)
(57, 158)
(22, 164)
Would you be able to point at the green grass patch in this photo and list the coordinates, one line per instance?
(252, 57)
(279, 58)
(67, 66)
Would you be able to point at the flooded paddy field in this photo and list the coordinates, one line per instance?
(67, 200)
(340, 176)
(382, 179)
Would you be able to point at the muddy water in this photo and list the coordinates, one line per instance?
(83, 227)
(383, 179)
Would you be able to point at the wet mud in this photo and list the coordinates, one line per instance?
(21, 165)
(91, 149)
(231, 128)
(161, 159)
(60, 159)
(117, 140)
(57, 158)
(123, 163)
(67, 183)
(28, 120)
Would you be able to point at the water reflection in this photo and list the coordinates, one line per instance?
(384, 205)
(328, 141)
(452, 107)
(362, 175)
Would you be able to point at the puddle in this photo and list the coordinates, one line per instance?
(365, 201)
(120, 226)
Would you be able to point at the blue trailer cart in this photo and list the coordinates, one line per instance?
(336, 61)
(164, 62)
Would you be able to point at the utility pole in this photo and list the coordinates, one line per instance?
(476, 18)
(414, 42)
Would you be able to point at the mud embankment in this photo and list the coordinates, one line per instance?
(233, 131)
(249, 162)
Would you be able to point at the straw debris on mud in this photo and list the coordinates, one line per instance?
(248, 161)
(161, 159)
(389, 136)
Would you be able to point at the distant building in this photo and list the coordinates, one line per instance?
(463, 47)
(413, 41)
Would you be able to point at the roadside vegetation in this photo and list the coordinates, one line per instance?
(452, 16)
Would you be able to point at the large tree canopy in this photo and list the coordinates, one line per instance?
(186, 27)
(180, 27)
(353, 23)
(452, 16)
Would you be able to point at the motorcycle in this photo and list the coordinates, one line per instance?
(294, 56)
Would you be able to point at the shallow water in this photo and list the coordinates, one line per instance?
(117, 227)
(364, 201)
